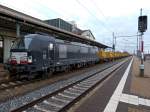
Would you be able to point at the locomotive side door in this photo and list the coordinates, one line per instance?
(51, 53)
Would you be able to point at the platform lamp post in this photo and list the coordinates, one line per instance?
(142, 27)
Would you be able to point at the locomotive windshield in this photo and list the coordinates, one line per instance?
(22, 43)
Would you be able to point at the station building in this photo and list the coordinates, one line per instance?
(70, 26)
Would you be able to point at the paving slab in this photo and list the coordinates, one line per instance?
(140, 85)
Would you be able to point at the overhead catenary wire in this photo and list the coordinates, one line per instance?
(100, 12)
(102, 23)
(127, 36)
(129, 41)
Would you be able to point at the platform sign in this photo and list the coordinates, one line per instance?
(142, 23)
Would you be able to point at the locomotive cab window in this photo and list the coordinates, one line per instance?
(18, 44)
(22, 43)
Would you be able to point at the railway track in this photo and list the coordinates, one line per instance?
(10, 84)
(63, 98)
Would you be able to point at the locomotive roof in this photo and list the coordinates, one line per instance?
(41, 37)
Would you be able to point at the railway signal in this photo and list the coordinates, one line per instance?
(142, 24)
(142, 27)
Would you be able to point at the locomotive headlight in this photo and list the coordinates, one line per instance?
(30, 59)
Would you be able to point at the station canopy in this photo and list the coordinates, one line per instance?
(9, 18)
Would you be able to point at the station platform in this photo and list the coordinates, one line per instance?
(123, 91)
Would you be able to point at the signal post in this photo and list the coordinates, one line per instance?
(142, 27)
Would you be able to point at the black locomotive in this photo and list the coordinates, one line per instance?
(38, 53)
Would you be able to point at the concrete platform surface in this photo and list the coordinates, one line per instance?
(140, 85)
(124, 91)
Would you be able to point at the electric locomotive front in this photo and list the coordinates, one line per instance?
(30, 54)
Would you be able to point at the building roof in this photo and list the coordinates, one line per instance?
(11, 16)
(89, 31)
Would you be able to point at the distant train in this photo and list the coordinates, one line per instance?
(109, 55)
(44, 54)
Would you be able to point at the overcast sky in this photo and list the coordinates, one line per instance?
(102, 17)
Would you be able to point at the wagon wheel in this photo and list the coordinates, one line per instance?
(49, 72)
(18, 76)
(30, 76)
(67, 69)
